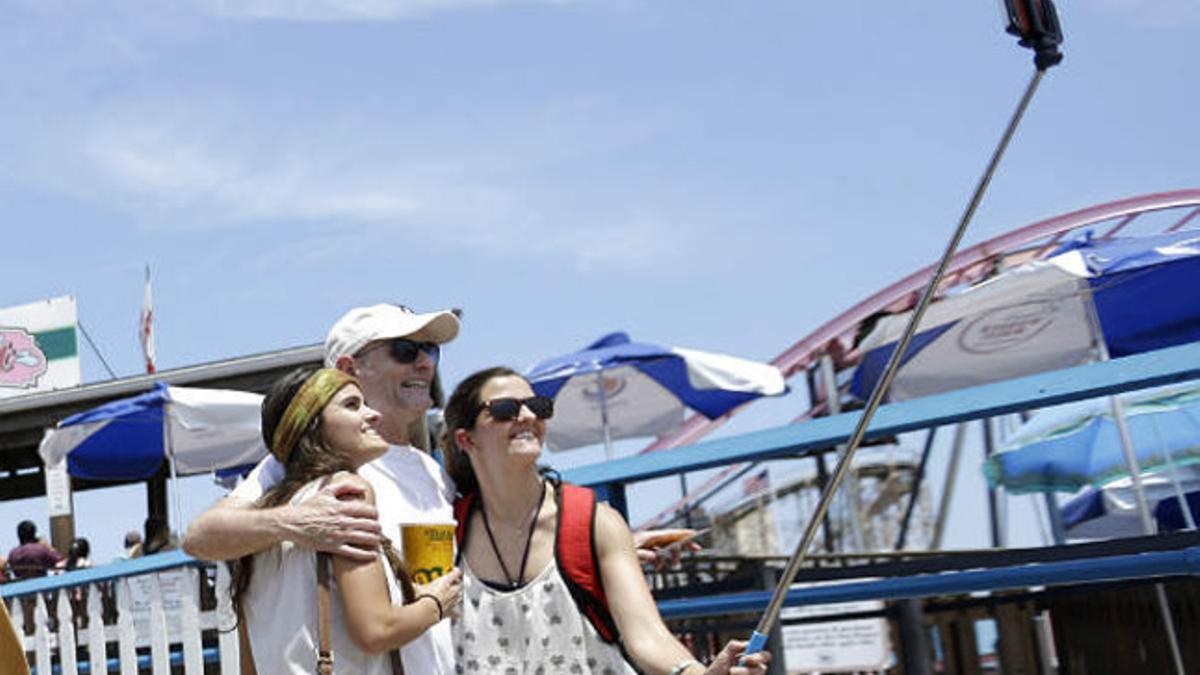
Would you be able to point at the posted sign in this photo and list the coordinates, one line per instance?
(836, 646)
(38, 349)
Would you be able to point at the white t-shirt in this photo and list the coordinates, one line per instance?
(410, 487)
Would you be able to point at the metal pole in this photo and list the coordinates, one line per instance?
(850, 498)
(830, 539)
(915, 491)
(1135, 471)
(914, 638)
(1189, 520)
(996, 519)
(1057, 530)
(759, 638)
(170, 448)
(608, 449)
(939, 526)
(687, 508)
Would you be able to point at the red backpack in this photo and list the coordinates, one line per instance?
(574, 550)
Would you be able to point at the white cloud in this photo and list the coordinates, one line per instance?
(347, 10)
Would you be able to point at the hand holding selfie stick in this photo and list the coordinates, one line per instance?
(1035, 22)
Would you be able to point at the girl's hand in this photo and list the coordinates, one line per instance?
(447, 590)
(732, 661)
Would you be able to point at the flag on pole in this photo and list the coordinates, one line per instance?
(755, 484)
(146, 326)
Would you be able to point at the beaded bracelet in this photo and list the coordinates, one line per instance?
(684, 665)
(441, 614)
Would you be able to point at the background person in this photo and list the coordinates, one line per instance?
(519, 612)
(33, 557)
(317, 423)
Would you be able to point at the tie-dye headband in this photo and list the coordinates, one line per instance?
(305, 406)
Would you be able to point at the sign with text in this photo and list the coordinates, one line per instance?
(58, 490)
(836, 646)
(172, 585)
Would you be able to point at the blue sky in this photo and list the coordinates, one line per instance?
(719, 175)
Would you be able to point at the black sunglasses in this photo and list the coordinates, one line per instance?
(406, 351)
(508, 409)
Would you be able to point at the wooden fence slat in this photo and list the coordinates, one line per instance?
(97, 647)
(41, 634)
(226, 620)
(125, 634)
(189, 621)
(160, 653)
(67, 657)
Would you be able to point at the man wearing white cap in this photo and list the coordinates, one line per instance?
(393, 352)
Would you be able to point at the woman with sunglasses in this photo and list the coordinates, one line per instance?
(519, 614)
(318, 426)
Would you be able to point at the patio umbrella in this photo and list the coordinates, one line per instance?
(1111, 511)
(1130, 292)
(616, 388)
(193, 430)
(1070, 447)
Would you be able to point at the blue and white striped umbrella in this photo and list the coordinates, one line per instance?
(1037, 316)
(616, 388)
(198, 430)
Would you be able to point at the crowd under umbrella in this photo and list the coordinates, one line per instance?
(616, 388)
(195, 431)
(1076, 446)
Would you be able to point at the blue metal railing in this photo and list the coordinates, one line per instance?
(1067, 572)
(126, 568)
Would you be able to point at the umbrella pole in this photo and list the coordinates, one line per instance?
(169, 445)
(1189, 521)
(608, 449)
(1135, 472)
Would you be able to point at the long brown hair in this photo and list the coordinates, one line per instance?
(311, 459)
(461, 412)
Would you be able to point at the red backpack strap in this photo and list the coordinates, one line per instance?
(575, 551)
(462, 516)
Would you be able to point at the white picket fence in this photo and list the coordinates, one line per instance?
(157, 606)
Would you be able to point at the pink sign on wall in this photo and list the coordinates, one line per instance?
(21, 362)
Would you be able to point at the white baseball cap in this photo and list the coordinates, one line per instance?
(363, 325)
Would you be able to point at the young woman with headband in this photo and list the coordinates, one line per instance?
(317, 425)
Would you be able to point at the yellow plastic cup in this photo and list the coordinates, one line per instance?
(428, 550)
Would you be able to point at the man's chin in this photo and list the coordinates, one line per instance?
(414, 401)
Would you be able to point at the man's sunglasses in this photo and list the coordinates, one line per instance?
(406, 351)
(509, 409)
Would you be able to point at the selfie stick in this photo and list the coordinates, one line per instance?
(1035, 22)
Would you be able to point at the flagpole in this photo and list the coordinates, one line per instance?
(146, 326)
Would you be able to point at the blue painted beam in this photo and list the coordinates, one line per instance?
(1068, 572)
(126, 568)
(1163, 366)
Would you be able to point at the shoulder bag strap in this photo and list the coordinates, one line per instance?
(324, 646)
